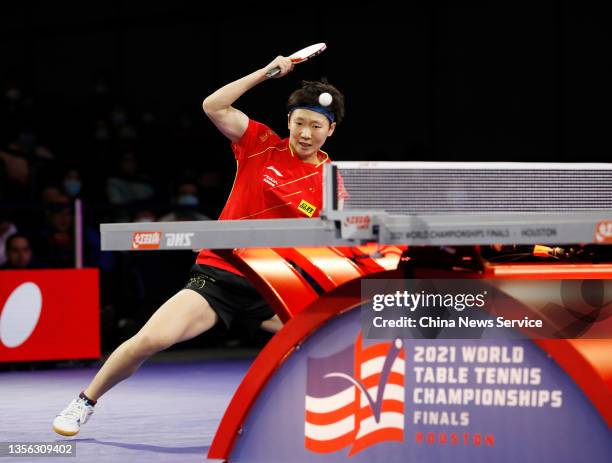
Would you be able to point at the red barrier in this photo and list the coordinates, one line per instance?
(327, 266)
(587, 361)
(49, 315)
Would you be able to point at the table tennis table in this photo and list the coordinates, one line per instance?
(415, 203)
(422, 205)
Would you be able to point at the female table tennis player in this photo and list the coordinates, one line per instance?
(276, 178)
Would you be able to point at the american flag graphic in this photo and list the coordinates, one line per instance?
(355, 397)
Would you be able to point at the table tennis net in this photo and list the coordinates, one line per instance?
(406, 188)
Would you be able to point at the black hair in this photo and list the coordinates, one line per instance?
(13, 237)
(308, 95)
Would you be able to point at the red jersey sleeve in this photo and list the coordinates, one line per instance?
(257, 136)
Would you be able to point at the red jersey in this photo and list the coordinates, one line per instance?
(271, 183)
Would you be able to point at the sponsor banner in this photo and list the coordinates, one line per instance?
(341, 397)
(485, 309)
(49, 315)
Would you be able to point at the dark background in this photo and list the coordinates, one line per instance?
(492, 81)
(456, 81)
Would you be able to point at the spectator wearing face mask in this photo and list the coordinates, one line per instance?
(186, 204)
(72, 184)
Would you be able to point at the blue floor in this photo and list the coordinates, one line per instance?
(166, 412)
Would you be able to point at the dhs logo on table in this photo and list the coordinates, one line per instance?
(178, 240)
(153, 240)
(355, 398)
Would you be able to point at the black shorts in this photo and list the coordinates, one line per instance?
(231, 296)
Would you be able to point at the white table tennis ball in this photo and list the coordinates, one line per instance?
(325, 99)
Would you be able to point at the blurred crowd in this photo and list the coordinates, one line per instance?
(125, 163)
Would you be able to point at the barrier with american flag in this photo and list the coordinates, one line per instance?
(315, 408)
(355, 397)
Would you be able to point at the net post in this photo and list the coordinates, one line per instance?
(330, 189)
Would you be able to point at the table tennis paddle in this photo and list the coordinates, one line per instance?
(300, 56)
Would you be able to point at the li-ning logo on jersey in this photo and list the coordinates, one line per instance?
(603, 232)
(269, 179)
(273, 169)
(306, 208)
(146, 240)
(176, 240)
(355, 398)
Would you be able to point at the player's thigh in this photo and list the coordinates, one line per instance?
(182, 317)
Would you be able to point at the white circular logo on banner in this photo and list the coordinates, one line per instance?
(20, 314)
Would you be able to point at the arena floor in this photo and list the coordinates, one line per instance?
(166, 412)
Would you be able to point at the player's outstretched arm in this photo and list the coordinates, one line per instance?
(218, 106)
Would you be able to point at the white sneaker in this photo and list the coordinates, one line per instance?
(69, 421)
